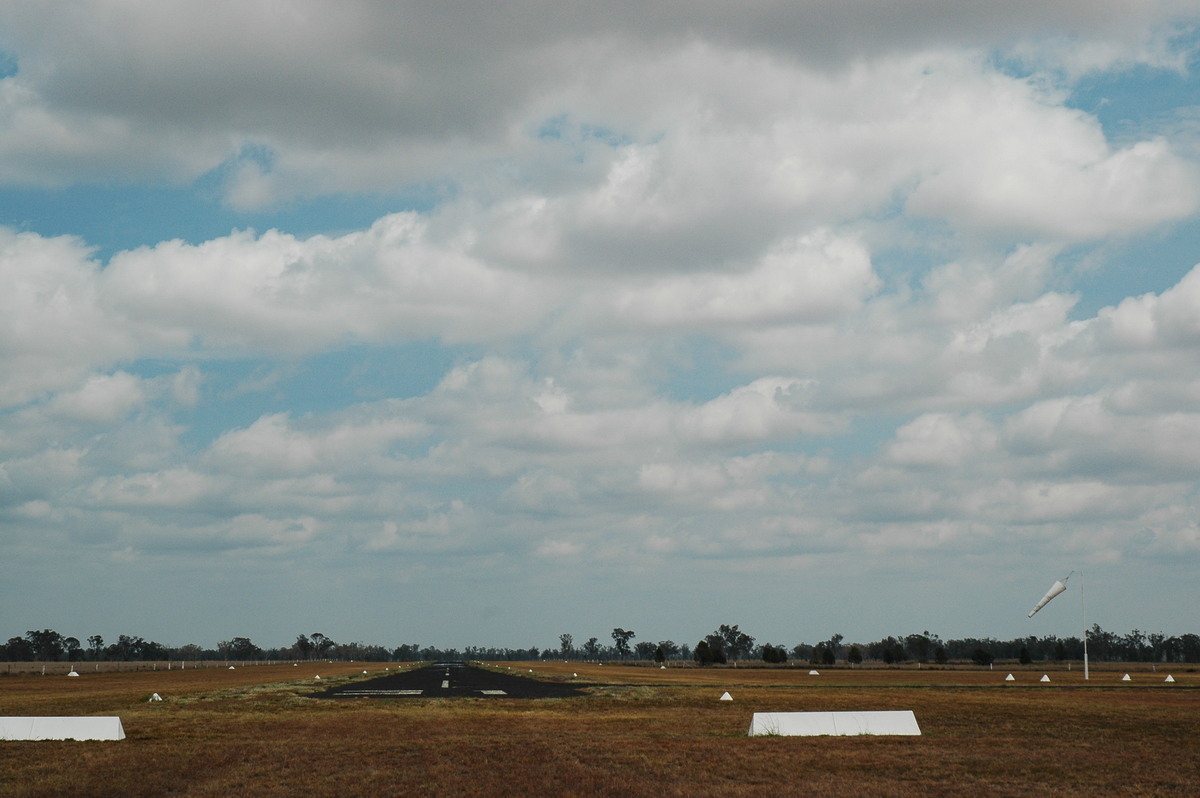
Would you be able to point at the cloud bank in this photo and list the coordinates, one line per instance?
(709, 309)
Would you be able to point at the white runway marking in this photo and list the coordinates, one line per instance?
(382, 692)
(493, 692)
(446, 685)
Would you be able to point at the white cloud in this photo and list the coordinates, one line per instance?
(55, 327)
(734, 290)
(721, 118)
(941, 440)
(277, 293)
(810, 279)
(103, 398)
(1168, 320)
(1061, 187)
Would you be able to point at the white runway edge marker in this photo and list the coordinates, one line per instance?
(446, 684)
(814, 724)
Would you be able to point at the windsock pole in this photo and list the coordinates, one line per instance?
(1083, 612)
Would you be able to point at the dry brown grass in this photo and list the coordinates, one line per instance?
(649, 732)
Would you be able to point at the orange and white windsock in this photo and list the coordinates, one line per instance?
(1055, 589)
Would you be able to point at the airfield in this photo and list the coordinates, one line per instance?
(610, 729)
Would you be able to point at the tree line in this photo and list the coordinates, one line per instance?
(725, 644)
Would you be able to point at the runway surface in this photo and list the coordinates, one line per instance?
(453, 680)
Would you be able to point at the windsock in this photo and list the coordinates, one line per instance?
(1055, 589)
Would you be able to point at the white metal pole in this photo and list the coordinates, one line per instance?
(1083, 612)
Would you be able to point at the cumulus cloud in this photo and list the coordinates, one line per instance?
(105, 397)
(1153, 321)
(55, 324)
(275, 292)
(810, 279)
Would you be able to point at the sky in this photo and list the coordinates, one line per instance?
(469, 323)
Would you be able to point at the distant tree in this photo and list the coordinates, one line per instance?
(982, 657)
(1024, 657)
(566, 642)
(1060, 651)
(737, 643)
(73, 649)
(47, 645)
(17, 649)
(670, 648)
(854, 656)
(127, 648)
(149, 650)
(1101, 644)
(716, 648)
(239, 648)
(1159, 647)
(773, 654)
(660, 656)
(644, 649)
(591, 648)
(621, 638)
(1188, 648)
(920, 645)
(190, 651)
(96, 646)
(890, 649)
(303, 647)
(321, 645)
(706, 653)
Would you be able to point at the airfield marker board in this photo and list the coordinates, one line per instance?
(61, 728)
(840, 724)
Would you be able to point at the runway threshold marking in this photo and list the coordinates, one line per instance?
(493, 692)
(381, 692)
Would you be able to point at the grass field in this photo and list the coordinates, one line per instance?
(643, 731)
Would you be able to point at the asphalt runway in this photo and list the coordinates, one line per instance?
(453, 680)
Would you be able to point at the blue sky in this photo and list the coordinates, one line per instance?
(468, 325)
